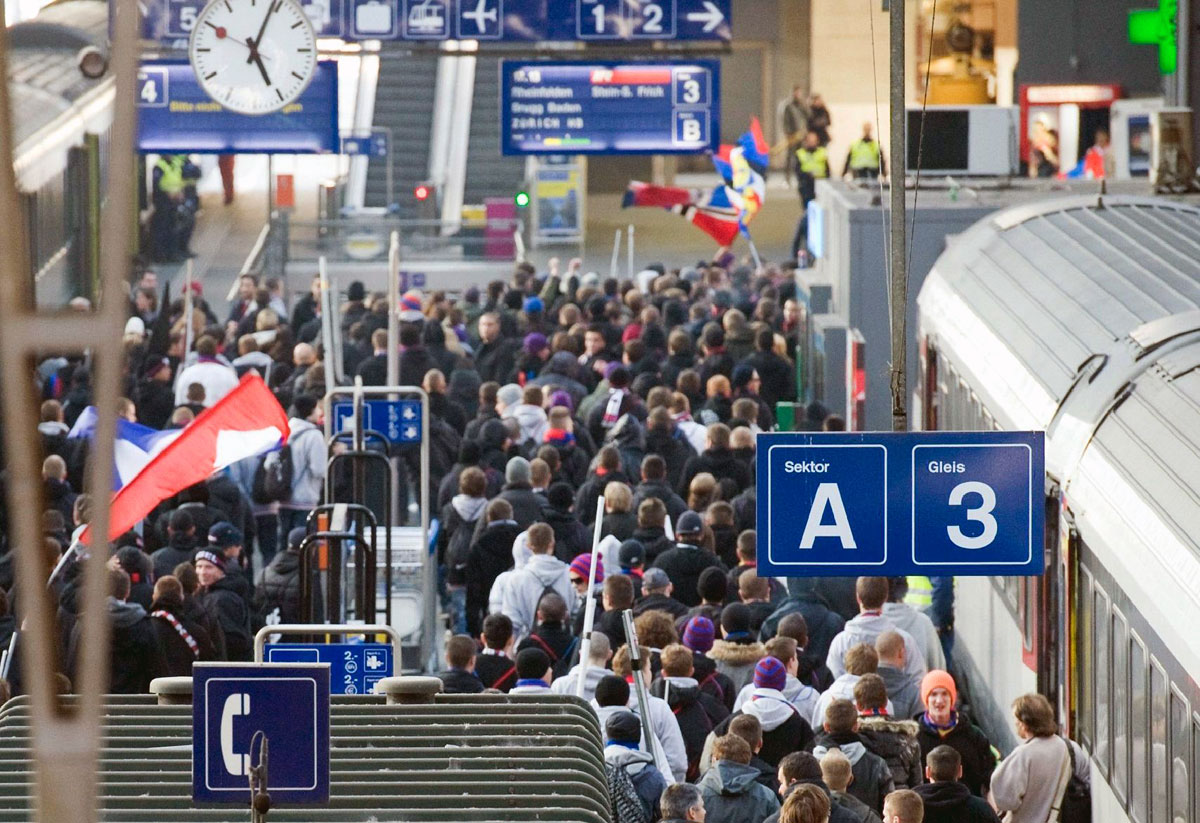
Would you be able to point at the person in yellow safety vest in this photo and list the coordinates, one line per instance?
(865, 160)
(813, 165)
(935, 597)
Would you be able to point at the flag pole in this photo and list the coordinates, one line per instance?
(758, 265)
(616, 255)
(187, 309)
(589, 605)
(630, 239)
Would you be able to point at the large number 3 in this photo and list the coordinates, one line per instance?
(980, 514)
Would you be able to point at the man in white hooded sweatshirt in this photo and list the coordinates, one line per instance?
(871, 594)
(800, 695)
(542, 574)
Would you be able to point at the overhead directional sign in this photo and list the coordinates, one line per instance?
(397, 420)
(377, 143)
(232, 703)
(523, 21)
(354, 668)
(609, 108)
(176, 115)
(891, 504)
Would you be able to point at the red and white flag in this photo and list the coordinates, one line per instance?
(246, 422)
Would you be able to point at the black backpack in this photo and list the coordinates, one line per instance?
(1076, 803)
(627, 806)
(273, 477)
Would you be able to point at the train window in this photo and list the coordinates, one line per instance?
(1087, 655)
(1139, 800)
(1029, 607)
(1102, 680)
(1120, 707)
(1181, 758)
(1159, 780)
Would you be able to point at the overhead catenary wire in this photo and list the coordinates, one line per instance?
(883, 217)
(921, 135)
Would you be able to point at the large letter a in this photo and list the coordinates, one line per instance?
(828, 495)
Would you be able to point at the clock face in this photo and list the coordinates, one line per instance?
(253, 56)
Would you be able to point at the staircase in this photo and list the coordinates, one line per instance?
(489, 173)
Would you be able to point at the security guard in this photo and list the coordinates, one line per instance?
(935, 597)
(813, 165)
(865, 161)
(168, 196)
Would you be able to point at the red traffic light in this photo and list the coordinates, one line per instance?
(421, 192)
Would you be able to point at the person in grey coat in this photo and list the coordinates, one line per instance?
(622, 737)
(732, 793)
(309, 456)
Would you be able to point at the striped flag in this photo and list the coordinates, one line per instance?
(244, 423)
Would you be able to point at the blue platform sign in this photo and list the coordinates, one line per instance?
(397, 420)
(609, 108)
(354, 668)
(175, 115)
(892, 504)
(513, 21)
(288, 704)
(375, 144)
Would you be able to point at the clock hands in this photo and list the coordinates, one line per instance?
(257, 58)
(261, 30)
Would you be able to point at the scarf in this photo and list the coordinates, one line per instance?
(941, 730)
(178, 627)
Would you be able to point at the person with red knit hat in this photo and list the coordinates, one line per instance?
(578, 575)
(941, 724)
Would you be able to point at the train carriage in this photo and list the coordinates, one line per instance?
(1081, 317)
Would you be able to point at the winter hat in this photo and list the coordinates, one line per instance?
(562, 398)
(535, 342)
(590, 280)
(769, 673)
(698, 634)
(153, 366)
(938, 679)
(517, 470)
(689, 523)
(509, 395)
(296, 537)
(356, 291)
(560, 496)
(135, 325)
(632, 553)
(223, 535)
(655, 579)
(533, 305)
(623, 727)
(735, 621)
(582, 564)
(411, 301)
(206, 555)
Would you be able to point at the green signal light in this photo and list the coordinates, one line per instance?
(521, 198)
(1158, 27)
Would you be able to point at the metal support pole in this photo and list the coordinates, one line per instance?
(393, 327)
(899, 285)
(614, 266)
(629, 238)
(589, 605)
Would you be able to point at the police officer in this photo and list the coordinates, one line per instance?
(813, 165)
(168, 197)
(865, 161)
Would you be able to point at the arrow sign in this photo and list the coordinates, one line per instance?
(711, 17)
(409, 414)
(1158, 27)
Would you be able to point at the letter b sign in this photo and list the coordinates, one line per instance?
(828, 506)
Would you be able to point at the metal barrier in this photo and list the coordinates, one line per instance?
(364, 572)
(357, 458)
(333, 601)
(366, 237)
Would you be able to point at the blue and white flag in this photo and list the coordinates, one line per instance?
(136, 444)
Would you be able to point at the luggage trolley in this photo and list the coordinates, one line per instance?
(406, 570)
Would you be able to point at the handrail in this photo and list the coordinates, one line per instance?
(253, 262)
(260, 637)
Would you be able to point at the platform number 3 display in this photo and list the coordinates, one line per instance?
(253, 56)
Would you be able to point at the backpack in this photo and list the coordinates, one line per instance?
(1075, 804)
(273, 477)
(627, 806)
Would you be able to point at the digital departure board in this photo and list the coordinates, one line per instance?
(610, 108)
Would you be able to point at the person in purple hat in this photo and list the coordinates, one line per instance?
(698, 635)
(535, 351)
(783, 729)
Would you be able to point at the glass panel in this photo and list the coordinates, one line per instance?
(1120, 708)
(1181, 759)
(1102, 681)
(1086, 669)
(1139, 791)
(1158, 743)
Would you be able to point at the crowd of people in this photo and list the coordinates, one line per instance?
(558, 399)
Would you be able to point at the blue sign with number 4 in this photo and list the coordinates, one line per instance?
(891, 504)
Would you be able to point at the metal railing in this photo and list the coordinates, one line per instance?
(362, 238)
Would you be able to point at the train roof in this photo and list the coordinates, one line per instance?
(53, 104)
(1081, 316)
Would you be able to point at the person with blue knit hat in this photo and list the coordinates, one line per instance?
(783, 729)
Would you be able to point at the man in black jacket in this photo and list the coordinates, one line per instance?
(181, 543)
(489, 555)
(656, 595)
(664, 440)
(651, 531)
(684, 563)
(656, 480)
(136, 656)
(947, 800)
(183, 640)
(277, 597)
(496, 356)
(415, 359)
(799, 769)
(777, 374)
(459, 677)
(220, 598)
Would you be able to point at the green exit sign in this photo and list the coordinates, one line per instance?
(1157, 27)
